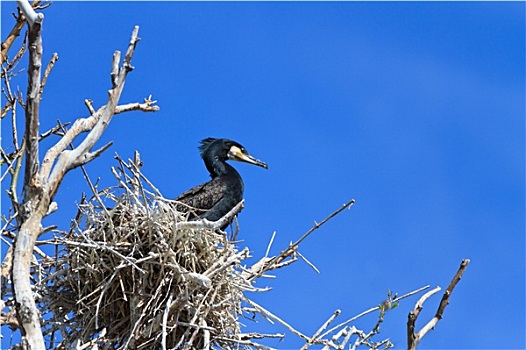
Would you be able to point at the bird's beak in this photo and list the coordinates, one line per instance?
(235, 153)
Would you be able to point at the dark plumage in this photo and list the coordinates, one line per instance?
(215, 198)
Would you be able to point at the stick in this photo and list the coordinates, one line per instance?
(372, 310)
(413, 339)
(321, 329)
(293, 247)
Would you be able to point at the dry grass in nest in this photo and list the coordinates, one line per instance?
(135, 276)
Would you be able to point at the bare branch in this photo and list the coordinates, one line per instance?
(270, 263)
(83, 125)
(55, 130)
(372, 310)
(88, 157)
(29, 13)
(32, 102)
(445, 298)
(10, 65)
(413, 339)
(270, 315)
(89, 105)
(68, 159)
(147, 106)
(115, 69)
(13, 121)
(15, 32)
(321, 329)
(15, 173)
(213, 225)
(34, 205)
(318, 225)
(49, 67)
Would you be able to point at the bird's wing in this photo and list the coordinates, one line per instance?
(202, 197)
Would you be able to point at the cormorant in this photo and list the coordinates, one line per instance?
(215, 198)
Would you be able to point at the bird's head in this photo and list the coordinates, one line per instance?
(225, 149)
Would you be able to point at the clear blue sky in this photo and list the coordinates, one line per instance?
(415, 109)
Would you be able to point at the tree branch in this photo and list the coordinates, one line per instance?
(413, 339)
(69, 159)
(31, 184)
(445, 298)
(212, 225)
(147, 106)
(30, 14)
(15, 32)
(34, 205)
(264, 312)
(395, 300)
(88, 157)
(50, 65)
(321, 329)
(270, 263)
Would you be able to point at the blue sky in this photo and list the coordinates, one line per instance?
(414, 109)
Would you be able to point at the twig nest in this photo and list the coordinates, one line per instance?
(130, 277)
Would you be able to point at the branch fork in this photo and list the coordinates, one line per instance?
(414, 337)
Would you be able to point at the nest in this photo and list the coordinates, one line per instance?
(134, 273)
(140, 276)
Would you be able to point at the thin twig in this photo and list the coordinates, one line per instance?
(213, 225)
(268, 314)
(270, 243)
(372, 310)
(50, 65)
(321, 329)
(165, 320)
(147, 106)
(293, 247)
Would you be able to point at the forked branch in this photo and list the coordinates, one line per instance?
(414, 338)
(95, 124)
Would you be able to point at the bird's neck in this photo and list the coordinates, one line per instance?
(220, 168)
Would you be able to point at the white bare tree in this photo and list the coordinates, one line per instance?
(41, 181)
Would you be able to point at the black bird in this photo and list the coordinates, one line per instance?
(215, 198)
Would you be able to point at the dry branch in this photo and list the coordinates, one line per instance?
(147, 106)
(50, 65)
(321, 329)
(14, 33)
(33, 206)
(95, 124)
(267, 264)
(414, 338)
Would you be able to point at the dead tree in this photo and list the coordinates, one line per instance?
(41, 181)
